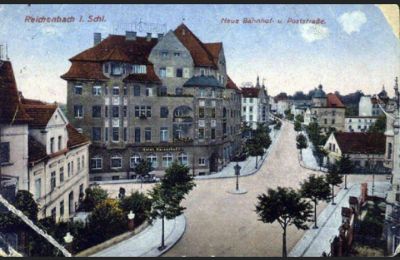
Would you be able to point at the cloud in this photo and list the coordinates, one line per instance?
(313, 32)
(352, 21)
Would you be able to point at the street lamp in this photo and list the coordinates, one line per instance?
(68, 240)
(237, 173)
(131, 221)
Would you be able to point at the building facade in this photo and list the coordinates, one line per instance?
(255, 105)
(159, 99)
(359, 123)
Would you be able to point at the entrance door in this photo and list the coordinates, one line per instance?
(213, 162)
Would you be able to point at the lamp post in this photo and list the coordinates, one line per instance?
(131, 220)
(68, 241)
(237, 173)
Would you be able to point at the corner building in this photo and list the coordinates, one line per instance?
(160, 99)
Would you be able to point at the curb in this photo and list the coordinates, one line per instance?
(176, 241)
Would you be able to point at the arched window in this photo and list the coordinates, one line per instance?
(152, 158)
(167, 160)
(135, 159)
(183, 159)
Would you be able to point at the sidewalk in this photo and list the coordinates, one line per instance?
(316, 241)
(146, 243)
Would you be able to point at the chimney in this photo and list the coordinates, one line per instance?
(96, 38)
(130, 36)
(148, 37)
(160, 36)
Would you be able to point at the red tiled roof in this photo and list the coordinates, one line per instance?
(231, 85)
(214, 48)
(85, 71)
(75, 138)
(362, 143)
(116, 55)
(333, 101)
(202, 57)
(250, 92)
(40, 113)
(150, 76)
(11, 109)
(28, 101)
(36, 151)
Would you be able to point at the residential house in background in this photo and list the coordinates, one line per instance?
(359, 123)
(299, 107)
(282, 103)
(370, 105)
(255, 107)
(159, 99)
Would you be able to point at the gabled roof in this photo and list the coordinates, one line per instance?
(332, 100)
(150, 76)
(40, 113)
(250, 92)
(202, 81)
(75, 138)
(231, 85)
(214, 48)
(11, 109)
(202, 57)
(361, 143)
(82, 70)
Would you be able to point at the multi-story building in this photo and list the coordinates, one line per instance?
(327, 110)
(160, 99)
(299, 107)
(359, 123)
(47, 156)
(371, 105)
(255, 107)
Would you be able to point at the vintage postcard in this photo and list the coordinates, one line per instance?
(199, 130)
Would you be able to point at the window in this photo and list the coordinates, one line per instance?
(96, 111)
(106, 90)
(149, 91)
(78, 111)
(152, 158)
(148, 111)
(116, 162)
(244, 109)
(115, 111)
(116, 69)
(106, 111)
(164, 54)
(78, 162)
(54, 214)
(115, 134)
(125, 91)
(96, 163)
(115, 177)
(183, 158)
(115, 91)
(78, 90)
(201, 133)
(163, 91)
(106, 134)
(163, 112)
(213, 133)
(201, 112)
(72, 168)
(390, 148)
(137, 111)
(224, 112)
(53, 181)
(333, 121)
(325, 121)
(177, 54)
(147, 134)
(61, 174)
(202, 161)
(96, 91)
(59, 142)
(164, 136)
(62, 208)
(251, 109)
(38, 188)
(135, 159)
(202, 72)
(163, 72)
(125, 111)
(137, 134)
(213, 112)
(69, 170)
(179, 73)
(179, 91)
(125, 134)
(167, 160)
(202, 92)
(52, 145)
(136, 91)
(96, 133)
(251, 100)
(83, 161)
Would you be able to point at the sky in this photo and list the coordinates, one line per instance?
(355, 48)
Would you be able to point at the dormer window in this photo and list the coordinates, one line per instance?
(164, 54)
(202, 72)
(116, 69)
(177, 54)
(139, 69)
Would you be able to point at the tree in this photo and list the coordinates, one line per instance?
(315, 188)
(297, 126)
(255, 148)
(143, 168)
(300, 118)
(278, 125)
(379, 126)
(345, 166)
(314, 133)
(285, 206)
(167, 196)
(334, 179)
(301, 143)
(107, 220)
(138, 203)
(262, 135)
(94, 196)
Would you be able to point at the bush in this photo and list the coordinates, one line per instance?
(139, 204)
(94, 196)
(278, 125)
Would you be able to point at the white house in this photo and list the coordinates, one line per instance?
(359, 123)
